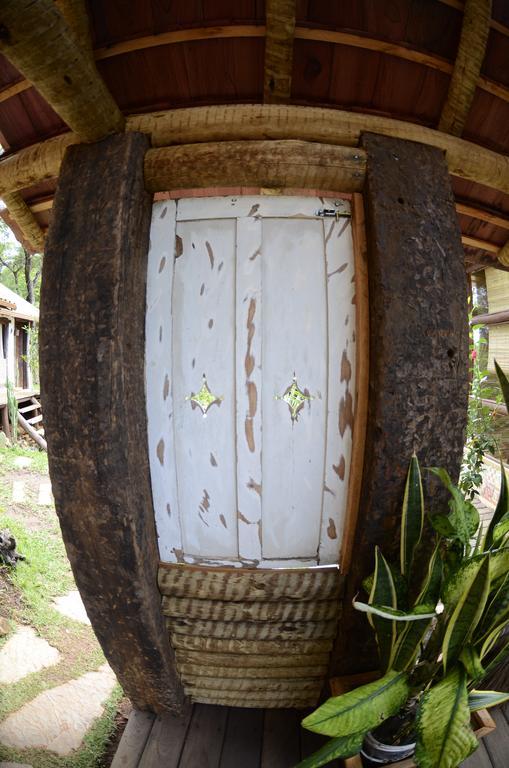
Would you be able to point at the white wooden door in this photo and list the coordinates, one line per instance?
(250, 360)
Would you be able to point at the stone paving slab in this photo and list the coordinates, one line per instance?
(18, 491)
(45, 498)
(71, 605)
(25, 653)
(59, 718)
(21, 462)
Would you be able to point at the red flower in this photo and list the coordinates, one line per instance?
(474, 354)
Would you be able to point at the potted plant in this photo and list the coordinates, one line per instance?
(436, 641)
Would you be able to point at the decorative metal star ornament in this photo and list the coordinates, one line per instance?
(204, 399)
(295, 398)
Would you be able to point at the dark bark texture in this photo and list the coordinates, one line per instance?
(92, 379)
(418, 356)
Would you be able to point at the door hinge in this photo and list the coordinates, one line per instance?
(340, 211)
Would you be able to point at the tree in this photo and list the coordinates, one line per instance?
(19, 270)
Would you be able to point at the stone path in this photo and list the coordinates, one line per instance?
(59, 718)
(71, 605)
(25, 653)
(44, 496)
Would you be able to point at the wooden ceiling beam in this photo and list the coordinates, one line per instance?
(279, 37)
(23, 218)
(467, 67)
(301, 33)
(38, 42)
(250, 122)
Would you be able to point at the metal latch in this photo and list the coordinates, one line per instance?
(340, 211)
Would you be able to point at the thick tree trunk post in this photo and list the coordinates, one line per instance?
(92, 379)
(418, 355)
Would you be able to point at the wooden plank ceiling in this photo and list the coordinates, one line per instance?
(390, 59)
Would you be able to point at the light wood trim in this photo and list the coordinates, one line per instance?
(361, 379)
(255, 121)
(179, 36)
(228, 611)
(255, 163)
(25, 220)
(467, 67)
(279, 36)
(44, 205)
(39, 43)
(12, 90)
(482, 215)
(475, 242)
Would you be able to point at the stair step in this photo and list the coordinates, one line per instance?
(35, 419)
(27, 408)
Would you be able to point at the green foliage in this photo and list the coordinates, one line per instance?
(480, 437)
(15, 263)
(433, 650)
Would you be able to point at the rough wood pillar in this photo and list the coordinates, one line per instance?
(418, 354)
(92, 379)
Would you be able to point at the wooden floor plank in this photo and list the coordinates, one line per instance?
(204, 742)
(479, 759)
(497, 742)
(243, 739)
(133, 740)
(281, 738)
(165, 743)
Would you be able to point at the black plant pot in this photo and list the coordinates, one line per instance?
(375, 753)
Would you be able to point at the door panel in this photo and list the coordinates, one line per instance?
(294, 345)
(251, 319)
(204, 356)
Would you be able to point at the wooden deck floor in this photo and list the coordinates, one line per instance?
(228, 737)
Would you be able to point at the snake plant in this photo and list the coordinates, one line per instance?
(438, 634)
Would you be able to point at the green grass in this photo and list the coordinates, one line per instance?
(42, 576)
(9, 455)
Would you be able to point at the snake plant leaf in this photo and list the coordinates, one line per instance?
(497, 610)
(466, 615)
(500, 518)
(504, 384)
(361, 709)
(462, 521)
(500, 657)
(485, 699)
(409, 641)
(472, 663)
(501, 531)
(412, 518)
(499, 564)
(383, 592)
(342, 746)
(488, 642)
(459, 580)
(418, 613)
(444, 735)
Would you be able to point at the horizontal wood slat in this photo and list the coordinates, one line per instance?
(247, 647)
(290, 661)
(221, 672)
(259, 687)
(297, 630)
(268, 702)
(251, 637)
(222, 610)
(248, 585)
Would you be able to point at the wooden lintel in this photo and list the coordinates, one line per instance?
(279, 36)
(24, 220)
(467, 67)
(483, 214)
(299, 164)
(37, 41)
